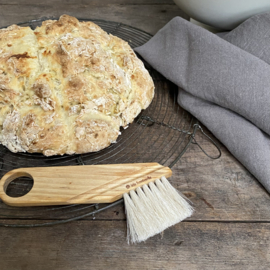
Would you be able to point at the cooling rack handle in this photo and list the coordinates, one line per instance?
(195, 126)
(81, 184)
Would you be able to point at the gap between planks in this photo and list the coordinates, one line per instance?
(117, 220)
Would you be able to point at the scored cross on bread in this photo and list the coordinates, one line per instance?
(67, 87)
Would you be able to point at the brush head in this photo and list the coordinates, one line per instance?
(152, 208)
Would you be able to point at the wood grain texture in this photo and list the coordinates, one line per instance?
(221, 190)
(99, 245)
(88, 2)
(81, 184)
(140, 16)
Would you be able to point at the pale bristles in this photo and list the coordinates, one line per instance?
(152, 208)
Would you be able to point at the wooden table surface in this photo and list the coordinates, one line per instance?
(230, 228)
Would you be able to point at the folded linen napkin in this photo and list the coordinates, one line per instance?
(223, 81)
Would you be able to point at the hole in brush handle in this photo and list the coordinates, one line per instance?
(15, 179)
(19, 187)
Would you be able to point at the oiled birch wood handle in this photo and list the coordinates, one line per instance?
(81, 184)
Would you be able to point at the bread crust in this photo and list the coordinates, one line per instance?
(67, 87)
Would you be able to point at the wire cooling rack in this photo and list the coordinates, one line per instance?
(161, 133)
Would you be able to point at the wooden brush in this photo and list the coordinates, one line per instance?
(151, 203)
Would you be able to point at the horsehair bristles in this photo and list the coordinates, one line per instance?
(153, 208)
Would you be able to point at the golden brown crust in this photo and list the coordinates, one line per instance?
(67, 87)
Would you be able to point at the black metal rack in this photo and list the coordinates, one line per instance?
(161, 133)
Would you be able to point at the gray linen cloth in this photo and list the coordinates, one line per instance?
(224, 81)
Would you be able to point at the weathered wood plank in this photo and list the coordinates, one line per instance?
(221, 190)
(98, 245)
(87, 2)
(149, 18)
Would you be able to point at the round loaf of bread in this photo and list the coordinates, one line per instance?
(67, 87)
